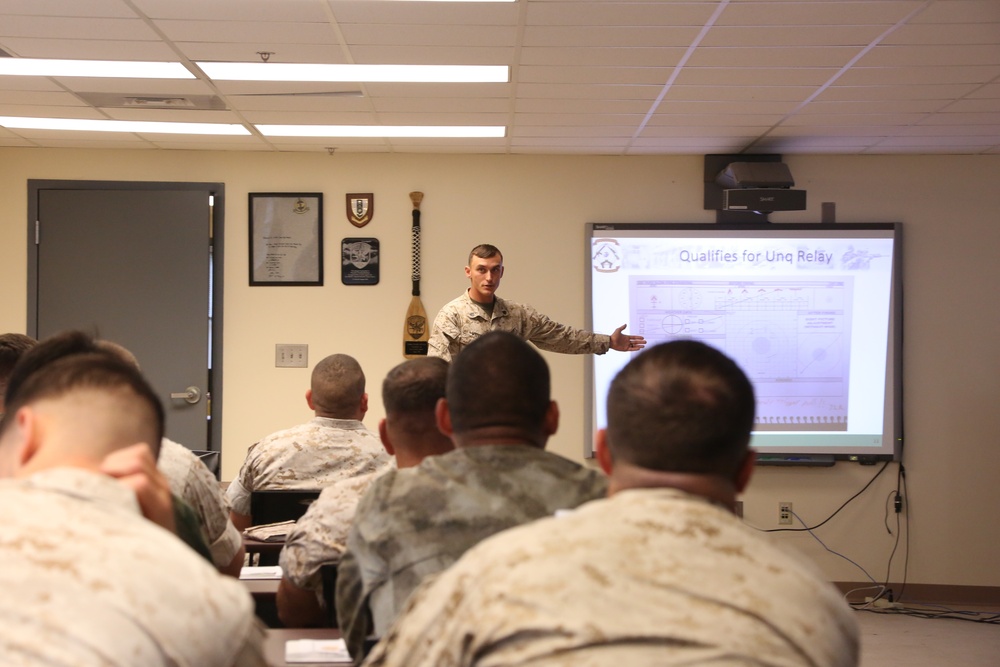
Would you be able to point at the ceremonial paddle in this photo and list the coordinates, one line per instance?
(415, 330)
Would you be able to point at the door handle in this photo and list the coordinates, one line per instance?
(192, 395)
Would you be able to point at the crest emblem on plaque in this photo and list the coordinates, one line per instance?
(415, 325)
(360, 208)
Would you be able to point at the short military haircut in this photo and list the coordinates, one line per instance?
(681, 406)
(338, 383)
(89, 371)
(41, 354)
(498, 380)
(415, 386)
(485, 251)
(12, 346)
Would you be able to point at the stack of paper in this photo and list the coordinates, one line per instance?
(316, 650)
(260, 572)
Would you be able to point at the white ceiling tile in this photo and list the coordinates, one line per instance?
(248, 31)
(597, 13)
(88, 49)
(737, 75)
(62, 8)
(601, 57)
(60, 27)
(806, 13)
(225, 10)
(795, 35)
(950, 33)
(940, 92)
(425, 13)
(584, 73)
(932, 55)
(961, 11)
(433, 55)
(639, 36)
(597, 75)
(39, 98)
(772, 56)
(428, 35)
(877, 76)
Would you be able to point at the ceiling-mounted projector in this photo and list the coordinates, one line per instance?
(759, 186)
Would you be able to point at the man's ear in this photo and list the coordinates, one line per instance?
(601, 451)
(468, 272)
(29, 431)
(552, 419)
(309, 400)
(364, 404)
(383, 434)
(443, 417)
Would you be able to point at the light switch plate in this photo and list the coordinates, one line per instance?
(291, 355)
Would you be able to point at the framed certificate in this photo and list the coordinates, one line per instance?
(286, 238)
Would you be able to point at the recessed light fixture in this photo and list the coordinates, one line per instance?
(111, 69)
(220, 71)
(135, 126)
(384, 131)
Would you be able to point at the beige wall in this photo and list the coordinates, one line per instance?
(534, 208)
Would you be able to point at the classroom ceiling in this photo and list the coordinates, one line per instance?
(608, 78)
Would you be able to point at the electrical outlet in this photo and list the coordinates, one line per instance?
(291, 356)
(784, 513)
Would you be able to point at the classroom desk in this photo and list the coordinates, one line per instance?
(265, 599)
(269, 551)
(274, 644)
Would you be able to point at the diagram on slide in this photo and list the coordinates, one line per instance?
(791, 337)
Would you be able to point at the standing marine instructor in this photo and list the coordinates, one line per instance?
(479, 310)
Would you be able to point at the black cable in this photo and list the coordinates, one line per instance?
(989, 617)
(903, 492)
(837, 511)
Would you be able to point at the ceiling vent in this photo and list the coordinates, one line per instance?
(122, 101)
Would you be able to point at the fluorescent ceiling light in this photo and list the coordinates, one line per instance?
(141, 127)
(356, 73)
(394, 131)
(93, 68)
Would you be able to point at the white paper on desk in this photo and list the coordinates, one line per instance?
(316, 650)
(260, 572)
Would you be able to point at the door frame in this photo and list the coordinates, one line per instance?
(218, 192)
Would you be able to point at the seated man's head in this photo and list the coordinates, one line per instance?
(498, 393)
(410, 393)
(337, 389)
(680, 407)
(12, 346)
(73, 409)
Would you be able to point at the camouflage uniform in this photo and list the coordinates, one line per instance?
(88, 581)
(320, 536)
(415, 522)
(647, 577)
(313, 455)
(462, 321)
(194, 483)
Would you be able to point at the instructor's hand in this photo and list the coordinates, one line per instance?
(624, 343)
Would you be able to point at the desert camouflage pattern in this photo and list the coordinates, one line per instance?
(313, 455)
(320, 536)
(194, 483)
(418, 521)
(462, 321)
(647, 577)
(88, 581)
